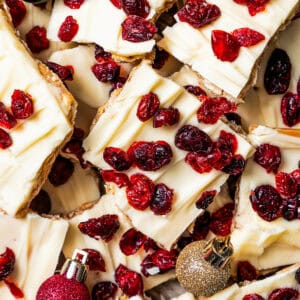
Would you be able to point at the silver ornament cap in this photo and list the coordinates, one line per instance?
(76, 267)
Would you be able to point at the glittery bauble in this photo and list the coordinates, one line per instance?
(196, 274)
(58, 287)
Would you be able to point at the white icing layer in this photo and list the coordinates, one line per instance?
(193, 47)
(34, 139)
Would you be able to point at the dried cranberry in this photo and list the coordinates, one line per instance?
(7, 120)
(150, 156)
(254, 6)
(227, 141)
(5, 139)
(297, 275)
(236, 166)
(101, 55)
(21, 105)
(290, 209)
(116, 158)
(253, 297)
(73, 4)
(120, 179)
(278, 73)
(61, 171)
(296, 175)
(147, 107)
(286, 185)
(95, 260)
(129, 282)
(161, 202)
(234, 118)
(159, 262)
(41, 203)
(212, 109)
(63, 72)
(198, 13)
(161, 56)
(116, 3)
(139, 8)
(221, 220)
(136, 29)
(225, 45)
(7, 263)
(290, 109)
(166, 117)
(106, 71)
(206, 199)
(232, 182)
(140, 191)
(246, 271)
(224, 160)
(131, 241)
(118, 83)
(195, 90)
(284, 294)
(17, 10)
(104, 227)
(37, 40)
(269, 157)
(201, 227)
(150, 244)
(68, 29)
(247, 37)
(104, 290)
(267, 202)
(191, 138)
(200, 163)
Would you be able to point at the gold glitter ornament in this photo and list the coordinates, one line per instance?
(204, 268)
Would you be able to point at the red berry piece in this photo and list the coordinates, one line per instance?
(227, 141)
(150, 244)
(63, 72)
(131, 241)
(73, 4)
(290, 109)
(253, 297)
(7, 120)
(101, 55)
(41, 203)
(267, 203)
(286, 185)
(7, 263)
(104, 290)
(95, 260)
(150, 156)
(198, 13)
(37, 40)
(236, 166)
(161, 202)
(269, 157)
(21, 105)
(206, 199)
(140, 191)
(201, 226)
(116, 3)
(104, 227)
(246, 271)
(166, 117)
(195, 90)
(200, 163)
(254, 6)
(136, 29)
(296, 175)
(5, 139)
(278, 73)
(284, 294)
(61, 171)
(290, 209)
(147, 107)
(118, 83)
(116, 158)
(17, 10)
(221, 220)
(129, 282)
(225, 45)
(234, 118)
(68, 29)
(212, 109)
(120, 179)
(247, 37)
(106, 71)
(161, 56)
(139, 8)
(159, 262)
(191, 138)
